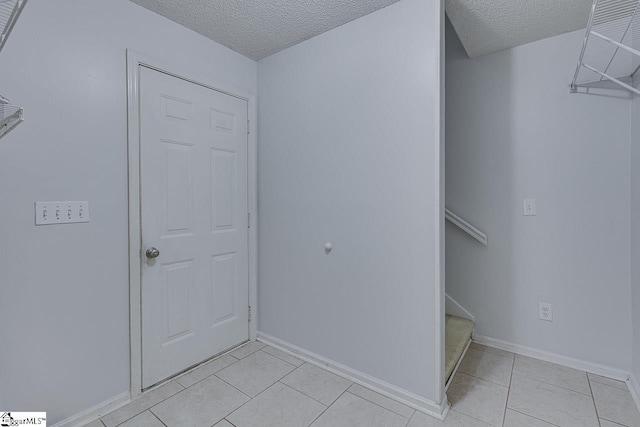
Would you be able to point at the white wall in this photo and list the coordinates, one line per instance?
(64, 289)
(635, 228)
(347, 154)
(513, 132)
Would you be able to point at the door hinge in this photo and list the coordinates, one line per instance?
(248, 126)
(249, 313)
(248, 219)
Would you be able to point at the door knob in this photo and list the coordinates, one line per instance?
(152, 253)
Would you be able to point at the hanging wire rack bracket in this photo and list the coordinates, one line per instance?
(608, 52)
(10, 115)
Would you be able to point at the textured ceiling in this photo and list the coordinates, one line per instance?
(486, 26)
(259, 28)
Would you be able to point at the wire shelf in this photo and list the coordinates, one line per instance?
(610, 47)
(10, 117)
(9, 13)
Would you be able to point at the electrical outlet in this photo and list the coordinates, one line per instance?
(545, 312)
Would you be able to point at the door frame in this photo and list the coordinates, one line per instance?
(136, 60)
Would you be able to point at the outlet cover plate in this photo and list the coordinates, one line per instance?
(545, 312)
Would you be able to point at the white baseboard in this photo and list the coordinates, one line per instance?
(634, 389)
(558, 359)
(91, 414)
(452, 307)
(437, 410)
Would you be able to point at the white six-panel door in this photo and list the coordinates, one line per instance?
(193, 177)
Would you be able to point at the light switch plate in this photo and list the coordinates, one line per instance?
(529, 207)
(61, 212)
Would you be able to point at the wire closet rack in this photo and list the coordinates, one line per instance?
(610, 47)
(10, 115)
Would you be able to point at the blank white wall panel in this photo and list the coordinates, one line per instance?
(347, 137)
(635, 215)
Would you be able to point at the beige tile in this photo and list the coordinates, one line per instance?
(516, 419)
(615, 405)
(350, 411)
(282, 355)
(551, 373)
(94, 423)
(487, 366)
(478, 398)
(206, 370)
(454, 419)
(141, 404)
(492, 350)
(145, 419)
(277, 406)
(202, 404)
(607, 381)
(317, 383)
(255, 373)
(550, 403)
(605, 423)
(381, 400)
(247, 349)
(224, 423)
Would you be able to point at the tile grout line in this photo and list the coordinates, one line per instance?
(593, 399)
(609, 385)
(225, 419)
(506, 402)
(535, 418)
(326, 409)
(302, 393)
(303, 362)
(147, 409)
(555, 385)
(250, 398)
(208, 376)
(370, 401)
(411, 418)
(347, 390)
(492, 352)
(380, 406)
(268, 387)
(231, 385)
(484, 379)
(613, 422)
(473, 416)
(276, 357)
(157, 417)
(253, 352)
(311, 397)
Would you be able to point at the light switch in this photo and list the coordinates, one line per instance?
(529, 207)
(61, 212)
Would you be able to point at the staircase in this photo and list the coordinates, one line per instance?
(458, 326)
(458, 332)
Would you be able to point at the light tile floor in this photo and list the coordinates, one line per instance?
(260, 386)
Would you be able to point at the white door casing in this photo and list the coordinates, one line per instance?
(193, 209)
